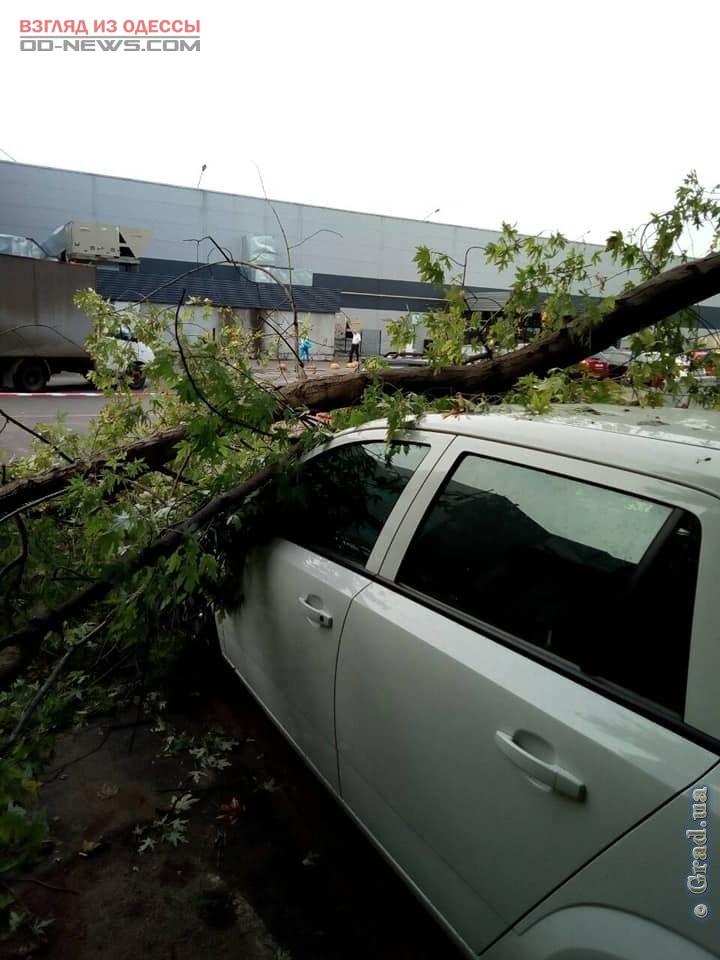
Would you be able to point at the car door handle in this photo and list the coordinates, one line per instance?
(555, 777)
(315, 614)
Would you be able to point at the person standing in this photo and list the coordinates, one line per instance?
(355, 346)
(305, 347)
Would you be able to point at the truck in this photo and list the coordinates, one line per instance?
(42, 332)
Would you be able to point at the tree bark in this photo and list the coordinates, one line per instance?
(156, 451)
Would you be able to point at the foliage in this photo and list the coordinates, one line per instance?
(206, 753)
(23, 828)
(554, 281)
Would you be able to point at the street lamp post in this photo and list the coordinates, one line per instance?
(466, 260)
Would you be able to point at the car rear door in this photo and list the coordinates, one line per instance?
(510, 689)
(335, 520)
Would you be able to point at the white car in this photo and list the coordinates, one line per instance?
(497, 644)
(132, 355)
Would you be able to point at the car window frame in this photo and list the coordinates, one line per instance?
(702, 707)
(436, 444)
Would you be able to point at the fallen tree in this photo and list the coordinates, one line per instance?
(645, 304)
(84, 530)
(649, 302)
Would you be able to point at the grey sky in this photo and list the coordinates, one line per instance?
(554, 115)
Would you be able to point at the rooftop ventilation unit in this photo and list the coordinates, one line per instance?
(261, 249)
(89, 241)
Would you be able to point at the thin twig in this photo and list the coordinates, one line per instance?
(33, 503)
(47, 686)
(51, 886)
(38, 436)
(281, 335)
(175, 476)
(208, 403)
(83, 756)
(270, 389)
(299, 365)
(321, 230)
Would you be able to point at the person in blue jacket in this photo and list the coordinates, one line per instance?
(305, 347)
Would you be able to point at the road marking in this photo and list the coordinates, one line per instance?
(96, 396)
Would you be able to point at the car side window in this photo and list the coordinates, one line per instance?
(344, 496)
(603, 579)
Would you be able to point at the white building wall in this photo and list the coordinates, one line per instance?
(35, 200)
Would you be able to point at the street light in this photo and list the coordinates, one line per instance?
(202, 171)
(431, 214)
(466, 259)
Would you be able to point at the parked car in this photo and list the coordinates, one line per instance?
(616, 359)
(704, 366)
(406, 359)
(709, 359)
(654, 371)
(548, 782)
(595, 367)
(412, 358)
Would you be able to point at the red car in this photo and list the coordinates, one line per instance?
(710, 367)
(594, 367)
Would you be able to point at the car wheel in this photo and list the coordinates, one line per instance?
(31, 376)
(137, 377)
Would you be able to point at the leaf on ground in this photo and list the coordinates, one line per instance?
(107, 791)
(90, 847)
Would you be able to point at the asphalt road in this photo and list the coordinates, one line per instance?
(35, 409)
(67, 394)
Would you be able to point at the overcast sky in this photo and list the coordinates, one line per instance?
(551, 114)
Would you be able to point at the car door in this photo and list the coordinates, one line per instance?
(510, 689)
(334, 518)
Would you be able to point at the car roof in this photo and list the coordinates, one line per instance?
(682, 446)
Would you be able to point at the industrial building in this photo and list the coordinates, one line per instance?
(347, 268)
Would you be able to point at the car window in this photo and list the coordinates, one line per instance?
(603, 579)
(344, 496)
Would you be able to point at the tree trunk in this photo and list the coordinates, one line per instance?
(641, 307)
(155, 451)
